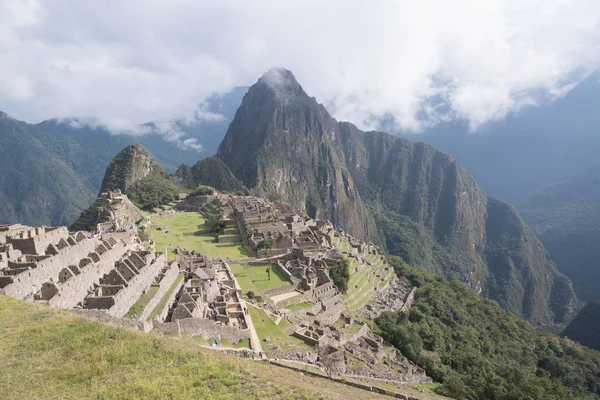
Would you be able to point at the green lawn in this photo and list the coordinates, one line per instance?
(255, 278)
(187, 229)
(144, 299)
(299, 306)
(265, 326)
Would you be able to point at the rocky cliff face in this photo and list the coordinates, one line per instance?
(129, 166)
(408, 197)
(280, 144)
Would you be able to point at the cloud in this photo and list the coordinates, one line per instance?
(129, 62)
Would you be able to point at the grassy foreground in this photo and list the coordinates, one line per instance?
(52, 354)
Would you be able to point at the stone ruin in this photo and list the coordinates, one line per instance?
(209, 293)
(111, 212)
(260, 220)
(69, 270)
(104, 277)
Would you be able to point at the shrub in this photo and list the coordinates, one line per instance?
(340, 274)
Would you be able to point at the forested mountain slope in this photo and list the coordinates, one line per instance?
(566, 218)
(480, 351)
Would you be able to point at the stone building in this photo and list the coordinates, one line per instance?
(209, 292)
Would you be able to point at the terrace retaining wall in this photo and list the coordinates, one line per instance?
(170, 276)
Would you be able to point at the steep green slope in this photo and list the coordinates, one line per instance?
(429, 210)
(209, 171)
(585, 327)
(480, 351)
(39, 183)
(52, 354)
(135, 173)
(408, 197)
(566, 217)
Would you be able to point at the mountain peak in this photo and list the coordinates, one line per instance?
(130, 165)
(282, 82)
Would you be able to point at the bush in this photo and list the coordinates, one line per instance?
(340, 274)
(266, 244)
(250, 294)
(153, 191)
(202, 190)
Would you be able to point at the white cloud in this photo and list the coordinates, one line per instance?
(128, 62)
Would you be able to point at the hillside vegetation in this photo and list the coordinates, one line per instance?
(480, 351)
(51, 354)
(566, 216)
(211, 172)
(585, 328)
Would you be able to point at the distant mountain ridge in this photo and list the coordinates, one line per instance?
(409, 197)
(54, 169)
(566, 217)
(530, 149)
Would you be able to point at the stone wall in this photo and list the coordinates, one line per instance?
(36, 240)
(103, 316)
(76, 288)
(127, 296)
(280, 290)
(27, 283)
(293, 300)
(162, 315)
(170, 276)
(295, 281)
(332, 314)
(369, 388)
(409, 300)
(202, 327)
(325, 291)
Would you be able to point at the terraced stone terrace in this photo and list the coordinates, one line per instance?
(365, 278)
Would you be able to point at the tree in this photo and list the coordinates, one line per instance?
(266, 244)
(340, 274)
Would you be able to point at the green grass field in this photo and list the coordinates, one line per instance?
(255, 278)
(299, 306)
(53, 354)
(187, 229)
(265, 326)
